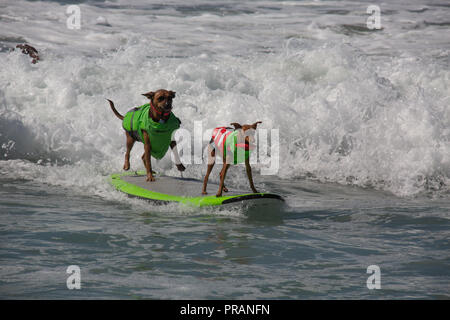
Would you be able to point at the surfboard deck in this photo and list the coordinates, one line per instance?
(187, 191)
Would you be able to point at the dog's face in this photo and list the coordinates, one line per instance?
(161, 100)
(246, 132)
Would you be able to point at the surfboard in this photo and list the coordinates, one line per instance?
(186, 191)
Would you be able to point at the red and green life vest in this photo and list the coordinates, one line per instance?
(226, 141)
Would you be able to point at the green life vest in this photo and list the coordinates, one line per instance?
(160, 134)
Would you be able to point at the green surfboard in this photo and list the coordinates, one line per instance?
(186, 191)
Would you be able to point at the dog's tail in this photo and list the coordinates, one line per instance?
(118, 115)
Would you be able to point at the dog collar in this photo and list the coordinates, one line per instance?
(164, 114)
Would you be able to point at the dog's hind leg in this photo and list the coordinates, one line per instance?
(130, 144)
(211, 161)
(224, 189)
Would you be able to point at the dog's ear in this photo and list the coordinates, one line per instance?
(256, 124)
(172, 94)
(236, 125)
(149, 95)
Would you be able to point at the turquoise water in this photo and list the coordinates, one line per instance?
(319, 249)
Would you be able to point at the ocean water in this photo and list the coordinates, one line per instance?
(364, 141)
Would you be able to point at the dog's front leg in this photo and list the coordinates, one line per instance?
(147, 156)
(173, 146)
(130, 143)
(248, 168)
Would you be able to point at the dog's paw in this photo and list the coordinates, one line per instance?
(150, 178)
(181, 167)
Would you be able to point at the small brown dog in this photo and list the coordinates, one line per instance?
(153, 124)
(234, 146)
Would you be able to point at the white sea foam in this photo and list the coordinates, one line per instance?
(348, 110)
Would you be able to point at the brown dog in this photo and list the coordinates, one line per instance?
(153, 124)
(228, 142)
